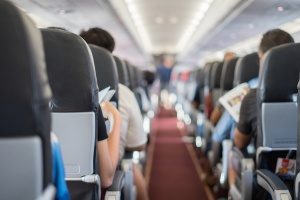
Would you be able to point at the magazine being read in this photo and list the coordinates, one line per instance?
(232, 100)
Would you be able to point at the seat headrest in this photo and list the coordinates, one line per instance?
(228, 74)
(106, 70)
(216, 75)
(139, 76)
(25, 92)
(71, 72)
(131, 75)
(200, 77)
(247, 68)
(207, 74)
(279, 74)
(122, 71)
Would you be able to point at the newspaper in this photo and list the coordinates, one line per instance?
(105, 94)
(232, 100)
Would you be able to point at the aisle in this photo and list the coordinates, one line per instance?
(172, 174)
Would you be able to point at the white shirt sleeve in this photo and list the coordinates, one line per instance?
(128, 106)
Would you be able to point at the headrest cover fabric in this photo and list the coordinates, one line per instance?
(24, 84)
(279, 74)
(106, 70)
(246, 69)
(122, 71)
(132, 77)
(216, 75)
(71, 72)
(25, 92)
(228, 74)
(207, 74)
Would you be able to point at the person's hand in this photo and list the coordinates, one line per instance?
(109, 111)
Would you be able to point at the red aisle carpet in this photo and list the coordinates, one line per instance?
(173, 175)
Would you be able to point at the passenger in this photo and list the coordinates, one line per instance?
(164, 71)
(133, 137)
(108, 146)
(226, 125)
(247, 125)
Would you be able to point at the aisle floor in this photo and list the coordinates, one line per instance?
(174, 171)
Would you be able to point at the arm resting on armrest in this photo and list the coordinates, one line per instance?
(273, 184)
(114, 191)
(118, 182)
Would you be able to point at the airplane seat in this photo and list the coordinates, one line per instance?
(244, 69)
(247, 68)
(122, 72)
(217, 152)
(277, 114)
(107, 75)
(25, 147)
(207, 105)
(227, 75)
(106, 71)
(75, 110)
(215, 82)
(130, 70)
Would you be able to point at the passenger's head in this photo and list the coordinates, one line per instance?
(229, 56)
(99, 37)
(149, 77)
(273, 38)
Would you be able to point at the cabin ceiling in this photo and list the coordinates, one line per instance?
(190, 29)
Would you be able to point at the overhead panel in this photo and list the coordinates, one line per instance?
(78, 15)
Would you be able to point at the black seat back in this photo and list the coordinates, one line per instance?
(122, 71)
(106, 70)
(247, 68)
(24, 110)
(215, 81)
(228, 75)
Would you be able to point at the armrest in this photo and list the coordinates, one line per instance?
(273, 184)
(114, 191)
(48, 194)
(118, 182)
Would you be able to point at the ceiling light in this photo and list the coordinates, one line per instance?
(280, 8)
(128, 1)
(159, 20)
(204, 7)
(132, 9)
(199, 16)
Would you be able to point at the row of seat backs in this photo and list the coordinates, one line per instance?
(25, 117)
(223, 76)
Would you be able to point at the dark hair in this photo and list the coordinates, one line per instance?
(99, 37)
(274, 38)
(149, 77)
